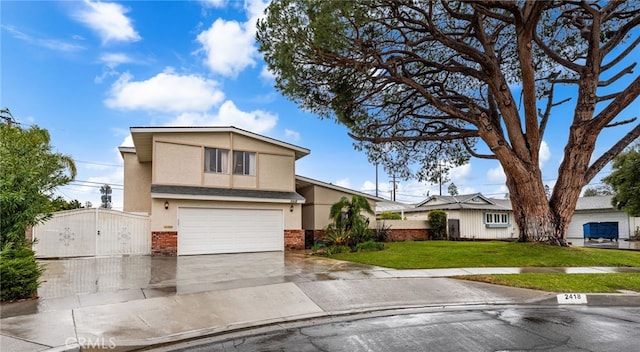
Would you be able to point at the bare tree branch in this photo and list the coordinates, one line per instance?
(609, 155)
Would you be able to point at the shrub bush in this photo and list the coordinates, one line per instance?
(438, 223)
(369, 246)
(337, 249)
(19, 273)
(382, 232)
(389, 215)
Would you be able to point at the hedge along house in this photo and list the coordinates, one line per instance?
(214, 190)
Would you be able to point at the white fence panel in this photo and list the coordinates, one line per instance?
(89, 232)
(122, 233)
(67, 234)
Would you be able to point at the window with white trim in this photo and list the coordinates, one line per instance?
(244, 163)
(216, 160)
(496, 219)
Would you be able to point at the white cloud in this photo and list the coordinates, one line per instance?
(267, 74)
(460, 173)
(127, 142)
(229, 46)
(112, 60)
(214, 3)
(292, 134)
(343, 183)
(496, 175)
(545, 153)
(52, 44)
(257, 121)
(109, 20)
(165, 92)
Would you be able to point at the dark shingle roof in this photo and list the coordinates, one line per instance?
(226, 192)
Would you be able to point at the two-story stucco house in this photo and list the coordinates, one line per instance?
(213, 189)
(223, 190)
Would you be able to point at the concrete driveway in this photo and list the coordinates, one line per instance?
(184, 274)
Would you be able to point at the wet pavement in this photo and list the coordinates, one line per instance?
(136, 301)
(485, 329)
(605, 243)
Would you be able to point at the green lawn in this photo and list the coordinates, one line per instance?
(578, 283)
(446, 254)
(449, 254)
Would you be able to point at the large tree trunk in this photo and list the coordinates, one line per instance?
(532, 212)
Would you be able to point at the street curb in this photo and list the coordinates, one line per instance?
(258, 327)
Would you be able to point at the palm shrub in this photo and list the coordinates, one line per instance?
(438, 224)
(349, 226)
(19, 273)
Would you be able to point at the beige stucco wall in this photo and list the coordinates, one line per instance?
(177, 164)
(318, 206)
(178, 159)
(405, 224)
(276, 172)
(137, 185)
(167, 219)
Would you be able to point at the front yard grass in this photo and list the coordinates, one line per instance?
(449, 254)
(446, 254)
(570, 283)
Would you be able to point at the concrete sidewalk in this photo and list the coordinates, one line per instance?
(125, 320)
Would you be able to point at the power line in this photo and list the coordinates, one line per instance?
(101, 164)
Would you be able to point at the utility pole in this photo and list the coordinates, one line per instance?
(6, 115)
(376, 179)
(393, 188)
(106, 196)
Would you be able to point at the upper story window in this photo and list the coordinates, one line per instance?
(216, 160)
(496, 219)
(244, 163)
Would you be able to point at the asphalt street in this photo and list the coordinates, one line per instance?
(514, 328)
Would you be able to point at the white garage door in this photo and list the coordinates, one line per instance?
(207, 230)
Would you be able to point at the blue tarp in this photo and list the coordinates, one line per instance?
(607, 230)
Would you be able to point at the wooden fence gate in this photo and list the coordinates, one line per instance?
(91, 232)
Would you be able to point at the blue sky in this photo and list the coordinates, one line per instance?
(87, 71)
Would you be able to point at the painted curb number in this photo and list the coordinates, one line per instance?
(572, 298)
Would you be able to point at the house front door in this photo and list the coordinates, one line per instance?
(454, 229)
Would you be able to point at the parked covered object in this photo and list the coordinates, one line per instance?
(607, 229)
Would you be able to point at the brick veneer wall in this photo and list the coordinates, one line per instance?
(164, 243)
(318, 235)
(398, 235)
(294, 239)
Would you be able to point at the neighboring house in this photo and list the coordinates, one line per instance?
(470, 216)
(474, 216)
(320, 196)
(599, 209)
(222, 190)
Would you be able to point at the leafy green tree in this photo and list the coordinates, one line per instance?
(625, 181)
(31, 171)
(603, 190)
(453, 189)
(421, 83)
(60, 204)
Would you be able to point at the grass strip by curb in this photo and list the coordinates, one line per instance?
(583, 283)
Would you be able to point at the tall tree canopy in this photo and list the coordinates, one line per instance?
(625, 181)
(425, 81)
(29, 173)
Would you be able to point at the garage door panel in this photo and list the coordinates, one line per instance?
(206, 230)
